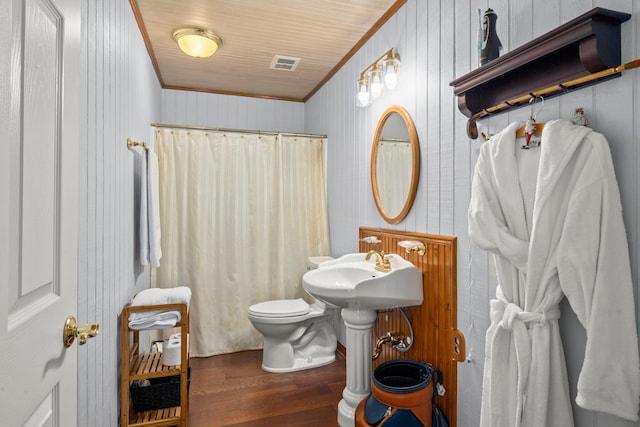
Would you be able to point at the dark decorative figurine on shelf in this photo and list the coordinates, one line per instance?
(491, 45)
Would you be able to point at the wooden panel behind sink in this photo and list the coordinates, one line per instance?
(436, 338)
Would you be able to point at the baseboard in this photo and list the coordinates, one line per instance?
(341, 350)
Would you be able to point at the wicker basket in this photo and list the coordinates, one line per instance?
(160, 393)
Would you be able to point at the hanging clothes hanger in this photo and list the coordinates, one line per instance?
(531, 127)
(579, 118)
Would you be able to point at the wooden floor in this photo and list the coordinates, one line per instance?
(233, 390)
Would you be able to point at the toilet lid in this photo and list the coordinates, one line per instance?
(280, 308)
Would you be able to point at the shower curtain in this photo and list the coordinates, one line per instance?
(240, 215)
(394, 160)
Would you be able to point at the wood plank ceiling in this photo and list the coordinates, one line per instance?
(324, 34)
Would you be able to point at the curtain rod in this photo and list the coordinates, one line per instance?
(258, 132)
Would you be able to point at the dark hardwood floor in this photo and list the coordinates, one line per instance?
(233, 390)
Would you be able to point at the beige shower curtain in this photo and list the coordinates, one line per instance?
(240, 214)
(394, 160)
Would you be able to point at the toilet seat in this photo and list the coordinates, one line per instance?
(280, 308)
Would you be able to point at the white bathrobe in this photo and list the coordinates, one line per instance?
(551, 217)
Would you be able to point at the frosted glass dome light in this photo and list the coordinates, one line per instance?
(197, 42)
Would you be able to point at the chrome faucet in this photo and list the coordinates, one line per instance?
(382, 261)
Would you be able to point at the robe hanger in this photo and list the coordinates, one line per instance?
(520, 133)
(531, 127)
(579, 118)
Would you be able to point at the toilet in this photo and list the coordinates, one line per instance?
(297, 335)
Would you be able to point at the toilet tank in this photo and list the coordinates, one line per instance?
(314, 261)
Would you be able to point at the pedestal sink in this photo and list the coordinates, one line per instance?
(353, 283)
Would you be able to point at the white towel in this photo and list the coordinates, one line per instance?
(153, 206)
(152, 296)
(158, 319)
(144, 211)
(150, 250)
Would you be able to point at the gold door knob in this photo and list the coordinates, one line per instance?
(73, 330)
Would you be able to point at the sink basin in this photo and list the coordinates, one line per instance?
(353, 282)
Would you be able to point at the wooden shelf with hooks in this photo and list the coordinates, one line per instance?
(586, 46)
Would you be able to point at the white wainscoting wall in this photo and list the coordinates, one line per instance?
(185, 108)
(437, 42)
(120, 97)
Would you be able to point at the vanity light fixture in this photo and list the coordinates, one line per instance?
(413, 246)
(197, 42)
(383, 72)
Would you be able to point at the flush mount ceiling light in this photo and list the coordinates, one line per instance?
(197, 42)
(381, 73)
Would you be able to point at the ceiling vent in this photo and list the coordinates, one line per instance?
(286, 63)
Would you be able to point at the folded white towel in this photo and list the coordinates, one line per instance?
(158, 318)
(151, 296)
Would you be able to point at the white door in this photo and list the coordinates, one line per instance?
(39, 133)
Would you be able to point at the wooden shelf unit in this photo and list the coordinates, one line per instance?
(139, 366)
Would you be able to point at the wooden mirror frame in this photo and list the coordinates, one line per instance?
(415, 163)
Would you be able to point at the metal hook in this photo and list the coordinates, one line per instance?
(532, 101)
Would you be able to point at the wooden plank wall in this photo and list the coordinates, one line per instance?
(120, 97)
(437, 42)
(434, 323)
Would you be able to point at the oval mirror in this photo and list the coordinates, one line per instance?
(395, 164)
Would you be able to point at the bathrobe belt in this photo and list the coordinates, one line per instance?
(511, 319)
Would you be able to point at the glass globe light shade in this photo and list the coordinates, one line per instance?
(391, 73)
(363, 92)
(196, 42)
(376, 83)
